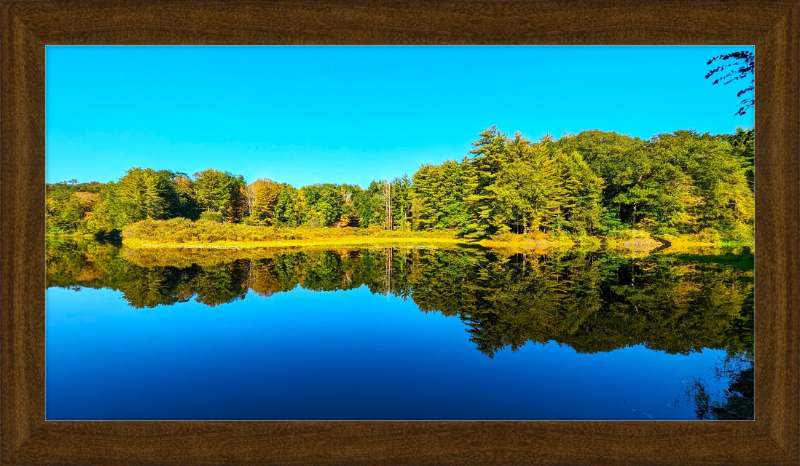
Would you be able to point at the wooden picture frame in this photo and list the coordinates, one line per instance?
(28, 26)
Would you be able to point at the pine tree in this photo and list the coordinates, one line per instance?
(479, 173)
(425, 196)
(220, 192)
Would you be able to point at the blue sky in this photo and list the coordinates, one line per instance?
(306, 115)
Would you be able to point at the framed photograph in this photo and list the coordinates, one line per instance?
(399, 233)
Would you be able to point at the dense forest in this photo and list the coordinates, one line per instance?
(591, 183)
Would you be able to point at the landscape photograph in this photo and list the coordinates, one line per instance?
(538, 233)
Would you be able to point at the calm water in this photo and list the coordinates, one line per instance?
(387, 334)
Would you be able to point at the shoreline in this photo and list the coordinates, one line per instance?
(309, 242)
(595, 243)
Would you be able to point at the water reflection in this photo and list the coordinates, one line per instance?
(736, 401)
(591, 302)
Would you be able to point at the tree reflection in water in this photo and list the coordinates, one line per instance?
(589, 301)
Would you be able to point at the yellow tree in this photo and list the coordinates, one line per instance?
(262, 197)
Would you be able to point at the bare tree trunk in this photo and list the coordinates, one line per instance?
(387, 274)
(387, 195)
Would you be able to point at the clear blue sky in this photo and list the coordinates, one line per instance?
(305, 115)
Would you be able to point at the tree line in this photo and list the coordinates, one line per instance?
(589, 183)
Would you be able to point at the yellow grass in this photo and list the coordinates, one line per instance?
(309, 242)
(542, 243)
(332, 242)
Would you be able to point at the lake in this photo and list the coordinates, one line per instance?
(390, 334)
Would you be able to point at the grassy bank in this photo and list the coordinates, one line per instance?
(186, 234)
(182, 233)
(290, 243)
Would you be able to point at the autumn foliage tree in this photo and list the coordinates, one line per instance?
(261, 197)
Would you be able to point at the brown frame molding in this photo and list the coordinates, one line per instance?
(27, 26)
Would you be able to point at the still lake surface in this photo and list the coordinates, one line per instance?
(387, 334)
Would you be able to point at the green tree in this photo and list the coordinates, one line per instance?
(186, 201)
(69, 206)
(289, 207)
(743, 147)
(140, 194)
(401, 203)
(324, 204)
(370, 205)
(615, 158)
(581, 209)
(220, 192)
(479, 173)
(425, 192)
(436, 197)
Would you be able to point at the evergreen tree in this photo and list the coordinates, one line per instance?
(480, 172)
(743, 147)
(425, 195)
(583, 190)
(220, 192)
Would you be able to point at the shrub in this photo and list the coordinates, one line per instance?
(506, 237)
(740, 232)
(629, 234)
(212, 216)
(708, 235)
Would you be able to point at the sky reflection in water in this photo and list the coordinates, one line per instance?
(337, 355)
